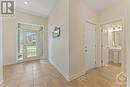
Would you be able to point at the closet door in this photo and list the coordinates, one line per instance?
(90, 46)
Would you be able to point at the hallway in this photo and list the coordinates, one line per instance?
(42, 74)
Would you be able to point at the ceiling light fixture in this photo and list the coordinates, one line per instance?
(25, 2)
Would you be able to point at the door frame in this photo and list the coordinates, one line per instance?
(103, 60)
(17, 30)
(123, 56)
(96, 26)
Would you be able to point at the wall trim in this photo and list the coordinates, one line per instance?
(7, 64)
(67, 77)
(112, 20)
(62, 73)
(75, 76)
(43, 58)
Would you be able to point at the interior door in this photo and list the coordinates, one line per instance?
(105, 47)
(90, 45)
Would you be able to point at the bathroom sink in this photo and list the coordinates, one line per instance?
(116, 54)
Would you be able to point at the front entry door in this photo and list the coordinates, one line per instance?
(27, 44)
(30, 45)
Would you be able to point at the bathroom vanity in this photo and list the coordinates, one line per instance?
(115, 53)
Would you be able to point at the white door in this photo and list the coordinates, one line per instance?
(105, 48)
(90, 46)
(27, 45)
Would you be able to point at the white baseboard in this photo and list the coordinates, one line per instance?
(67, 77)
(43, 58)
(5, 64)
(62, 73)
(75, 76)
(31, 59)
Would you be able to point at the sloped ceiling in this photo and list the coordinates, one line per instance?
(36, 7)
(43, 7)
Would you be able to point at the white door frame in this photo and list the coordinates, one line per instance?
(123, 40)
(25, 58)
(103, 60)
(17, 40)
(95, 41)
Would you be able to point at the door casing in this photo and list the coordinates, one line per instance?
(34, 58)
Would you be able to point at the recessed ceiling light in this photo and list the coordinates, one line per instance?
(25, 2)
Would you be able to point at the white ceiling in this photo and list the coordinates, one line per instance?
(101, 4)
(43, 7)
(35, 7)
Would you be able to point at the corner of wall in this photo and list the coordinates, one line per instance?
(75, 76)
(61, 72)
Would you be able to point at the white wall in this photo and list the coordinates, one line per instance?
(1, 57)
(67, 52)
(9, 34)
(114, 12)
(59, 47)
(79, 13)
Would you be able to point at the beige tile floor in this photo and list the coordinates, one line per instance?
(40, 73)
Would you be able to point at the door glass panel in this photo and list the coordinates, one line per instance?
(31, 45)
